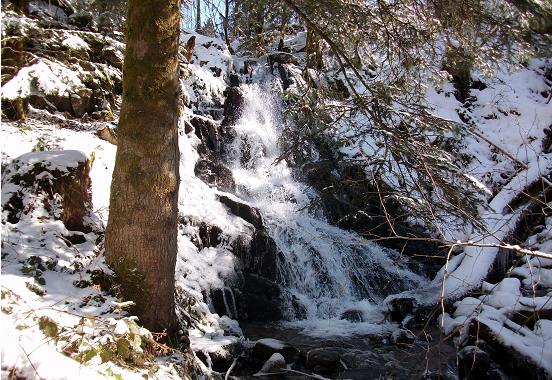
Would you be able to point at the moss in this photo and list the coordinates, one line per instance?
(129, 282)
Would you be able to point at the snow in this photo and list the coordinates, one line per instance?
(42, 78)
(53, 159)
(75, 42)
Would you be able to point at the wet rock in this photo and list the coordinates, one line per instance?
(259, 300)
(224, 302)
(248, 213)
(264, 258)
(221, 353)
(215, 174)
(402, 337)
(210, 236)
(327, 357)
(355, 316)
(233, 105)
(234, 80)
(207, 131)
(475, 363)
(264, 349)
(275, 364)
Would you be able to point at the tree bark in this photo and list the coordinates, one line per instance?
(141, 235)
(198, 16)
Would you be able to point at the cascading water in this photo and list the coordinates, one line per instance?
(328, 270)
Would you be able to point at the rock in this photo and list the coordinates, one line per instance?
(234, 80)
(224, 302)
(108, 134)
(221, 353)
(51, 103)
(215, 175)
(327, 357)
(355, 316)
(81, 102)
(282, 57)
(275, 364)
(402, 337)
(510, 360)
(259, 300)
(230, 326)
(207, 131)
(233, 105)
(113, 56)
(475, 363)
(264, 349)
(248, 213)
(61, 175)
(264, 258)
(209, 236)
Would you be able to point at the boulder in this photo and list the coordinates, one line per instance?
(402, 337)
(207, 131)
(221, 353)
(248, 213)
(215, 174)
(275, 364)
(513, 362)
(326, 357)
(475, 363)
(282, 57)
(265, 349)
(233, 105)
(259, 300)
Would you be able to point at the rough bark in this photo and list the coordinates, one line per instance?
(141, 235)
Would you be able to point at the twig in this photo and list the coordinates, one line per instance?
(306, 374)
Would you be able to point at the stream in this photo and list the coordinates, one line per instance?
(366, 357)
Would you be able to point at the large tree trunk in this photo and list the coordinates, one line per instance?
(141, 235)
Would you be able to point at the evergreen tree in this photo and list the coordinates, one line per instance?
(385, 53)
(141, 235)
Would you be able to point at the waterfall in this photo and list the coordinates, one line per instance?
(328, 270)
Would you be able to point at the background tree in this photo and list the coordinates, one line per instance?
(141, 235)
(385, 53)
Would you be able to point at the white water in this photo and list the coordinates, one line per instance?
(327, 269)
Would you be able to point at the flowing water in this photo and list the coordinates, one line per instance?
(329, 270)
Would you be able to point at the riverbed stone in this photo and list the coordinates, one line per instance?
(264, 349)
(476, 363)
(327, 357)
(402, 337)
(275, 364)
